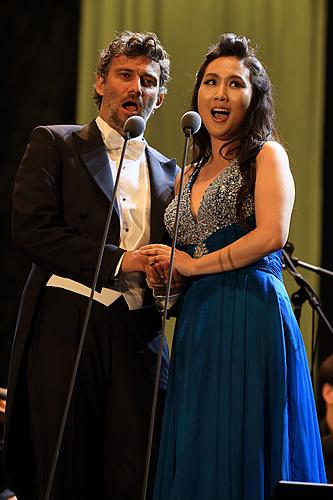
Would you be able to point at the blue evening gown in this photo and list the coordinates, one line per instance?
(240, 412)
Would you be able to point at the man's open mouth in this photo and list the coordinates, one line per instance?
(130, 106)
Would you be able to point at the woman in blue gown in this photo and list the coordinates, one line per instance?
(240, 413)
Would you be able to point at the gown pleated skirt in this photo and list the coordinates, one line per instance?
(240, 412)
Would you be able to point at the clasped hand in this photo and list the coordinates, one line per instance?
(159, 258)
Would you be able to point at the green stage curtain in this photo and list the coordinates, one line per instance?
(290, 35)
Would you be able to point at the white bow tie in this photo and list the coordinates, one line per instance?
(134, 149)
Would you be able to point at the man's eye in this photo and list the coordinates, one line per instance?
(148, 82)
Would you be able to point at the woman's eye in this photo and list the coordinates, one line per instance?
(235, 83)
(211, 81)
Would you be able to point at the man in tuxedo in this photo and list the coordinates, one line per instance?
(60, 203)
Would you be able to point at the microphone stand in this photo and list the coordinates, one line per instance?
(310, 267)
(188, 132)
(306, 292)
(127, 137)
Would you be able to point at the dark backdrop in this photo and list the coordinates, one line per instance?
(39, 71)
(326, 288)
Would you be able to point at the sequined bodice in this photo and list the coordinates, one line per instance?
(217, 209)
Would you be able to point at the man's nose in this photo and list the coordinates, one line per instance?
(135, 87)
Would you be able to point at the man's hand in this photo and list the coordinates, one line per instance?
(134, 261)
(157, 253)
(157, 274)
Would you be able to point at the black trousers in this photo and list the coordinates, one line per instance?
(105, 440)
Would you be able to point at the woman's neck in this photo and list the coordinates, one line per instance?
(216, 157)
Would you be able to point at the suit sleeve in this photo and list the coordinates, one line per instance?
(41, 225)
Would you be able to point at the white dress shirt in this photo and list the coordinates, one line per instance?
(134, 204)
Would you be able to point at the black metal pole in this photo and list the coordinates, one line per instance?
(133, 127)
(307, 290)
(164, 320)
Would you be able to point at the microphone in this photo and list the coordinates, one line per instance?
(190, 122)
(134, 126)
(288, 258)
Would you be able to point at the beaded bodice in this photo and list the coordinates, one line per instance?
(217, 209)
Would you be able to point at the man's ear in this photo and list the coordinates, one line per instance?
(99, 85)
(159, 101)
(327, 393)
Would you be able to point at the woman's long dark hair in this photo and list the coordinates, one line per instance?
(259, 124)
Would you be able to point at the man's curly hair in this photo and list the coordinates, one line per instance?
(132, 44)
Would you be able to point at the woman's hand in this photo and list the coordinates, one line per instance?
(158, 254)
(157, 276)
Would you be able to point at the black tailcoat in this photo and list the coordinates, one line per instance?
(60, 203)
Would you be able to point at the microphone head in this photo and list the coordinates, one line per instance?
(191, 122)
(134, 126)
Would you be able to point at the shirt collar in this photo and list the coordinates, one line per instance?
(114, 141)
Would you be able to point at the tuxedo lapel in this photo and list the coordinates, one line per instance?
(161, 175)
(92, 152)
